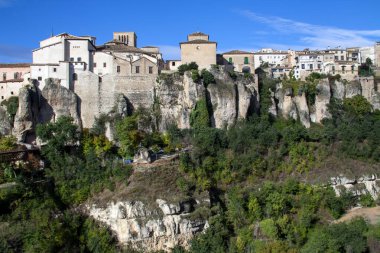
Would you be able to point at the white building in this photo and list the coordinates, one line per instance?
(65, 56)
(272, 57)
(13, 77)
(62, 57)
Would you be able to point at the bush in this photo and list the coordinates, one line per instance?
(187, 67)
(207, 77)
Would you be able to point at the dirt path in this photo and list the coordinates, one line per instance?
(371, 214)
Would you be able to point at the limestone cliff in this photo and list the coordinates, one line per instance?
(228, 99)
(58, 101)
(142, 227)
(27, 114)
(151, 213)
(37, 106)
(5, 124)
(289, 105)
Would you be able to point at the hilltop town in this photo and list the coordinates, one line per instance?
(113, 148)
(77, 60)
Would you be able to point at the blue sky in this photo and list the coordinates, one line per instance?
(234, 24)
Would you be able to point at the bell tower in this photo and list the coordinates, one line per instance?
(128, 38)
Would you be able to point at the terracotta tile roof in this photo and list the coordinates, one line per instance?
(15, 65)
(237, 52)
(198, 42)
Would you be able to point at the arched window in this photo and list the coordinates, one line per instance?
(75, 76)
(16, 76)
(125, 39)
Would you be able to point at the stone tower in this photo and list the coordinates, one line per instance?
(128, 38)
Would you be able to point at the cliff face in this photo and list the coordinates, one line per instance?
(27, 114)
(151, 212)
(153, 229)
(37, 106)
(229, 99)
(289, 105)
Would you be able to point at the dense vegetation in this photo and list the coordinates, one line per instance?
(254, 172)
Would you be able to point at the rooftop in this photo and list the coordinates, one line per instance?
(237, 52)
(15, 65)
(198, 42)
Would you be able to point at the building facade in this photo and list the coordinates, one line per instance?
(242, 61)
(13, 77)
(199, 49)
(272, 57)
(66, 56)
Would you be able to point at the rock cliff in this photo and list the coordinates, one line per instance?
(151, 213)
(289, 105)
(153, 229)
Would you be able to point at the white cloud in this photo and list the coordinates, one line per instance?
(170, 52)
(316, 36)
(5, 3)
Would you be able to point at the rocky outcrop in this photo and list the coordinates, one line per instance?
(27, 114)
(229, 99)
(149, 228)
(5, 124)
(289, 105)
(322, 100)
(177, 97)
(367, 184)
(57, 101)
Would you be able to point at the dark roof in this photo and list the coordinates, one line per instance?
(12, 81)
(15, 65)
(198, 34)
(149, 47)
(198, 42)
(120, 48)
(237, 52)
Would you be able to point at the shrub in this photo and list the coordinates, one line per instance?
(187, 67)
(207, 77)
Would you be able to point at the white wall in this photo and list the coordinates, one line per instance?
(50, 54)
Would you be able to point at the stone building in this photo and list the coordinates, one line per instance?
(199, 49)
(13, 77)
(241, 61)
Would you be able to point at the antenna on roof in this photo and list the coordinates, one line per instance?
(52, 32)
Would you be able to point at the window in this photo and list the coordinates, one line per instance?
(333, 69)
(230, 60)
(137, 69)
(75, 77)
(319, 66)
(104, 65)
(54, 69)
(303, 66)
(342, 58)
(336, 58)
(79, 59)
(2, 87)
(311, 66)
(72, 59)
(2, 97)
(11, 92)
(150, 70)
(118, 69)
(246, 61)
(343, 69)
(100, 79)
(40, 78)
(94, 64)
(4, 76)
(352, 69)
(16, 75)
(173, 63)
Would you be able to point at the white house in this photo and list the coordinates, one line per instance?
(62, 57)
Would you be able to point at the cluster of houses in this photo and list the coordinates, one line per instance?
(64, 56)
